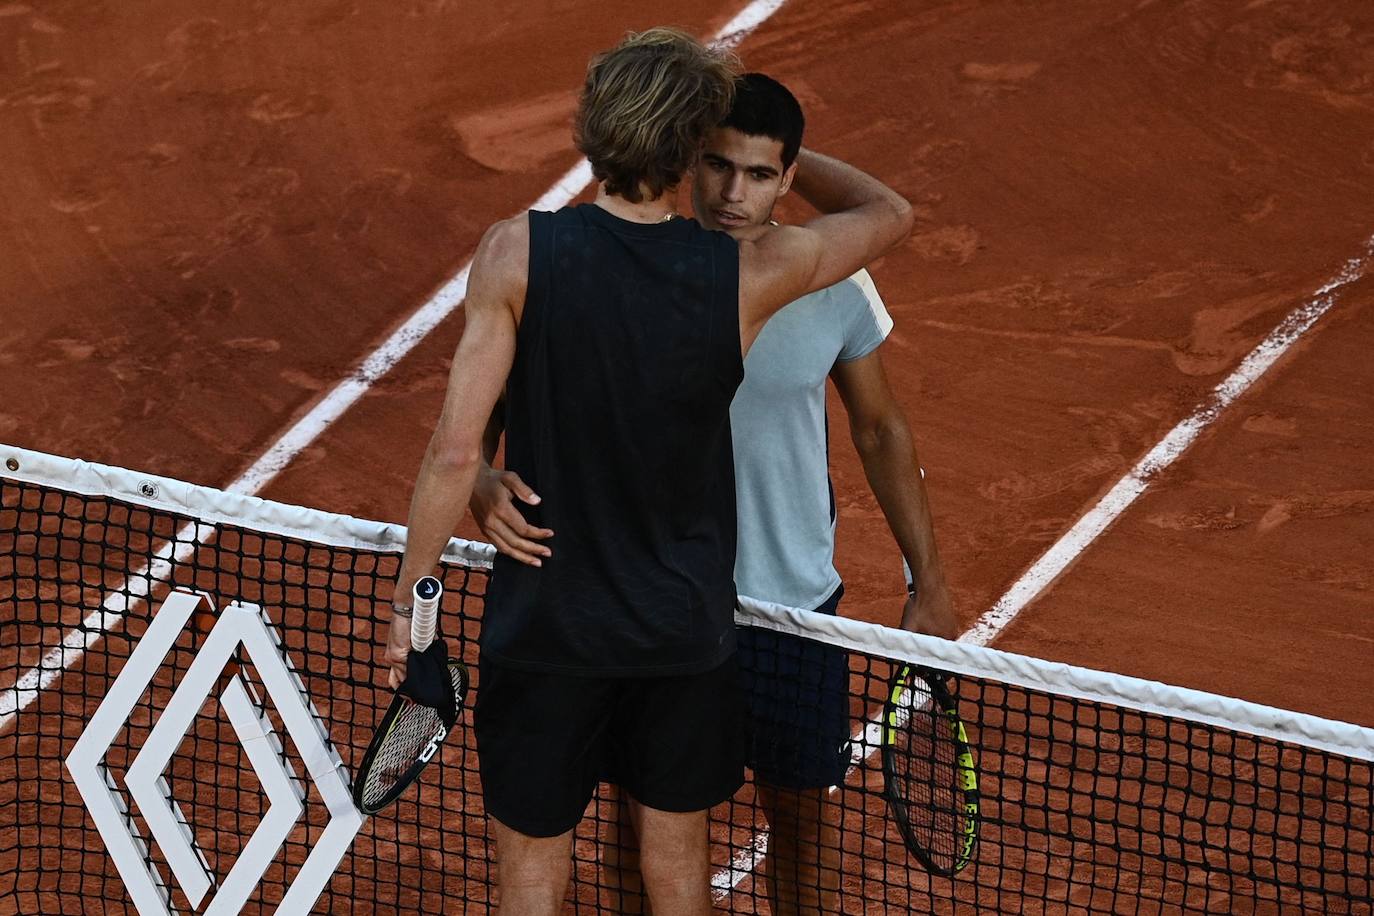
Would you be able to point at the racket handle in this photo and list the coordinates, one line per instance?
(426, 593)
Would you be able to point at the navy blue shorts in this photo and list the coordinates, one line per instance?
(798, 696)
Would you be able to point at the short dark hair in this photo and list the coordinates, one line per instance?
(764, 107)
(646, 107)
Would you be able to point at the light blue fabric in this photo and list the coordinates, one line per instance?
(782, 470)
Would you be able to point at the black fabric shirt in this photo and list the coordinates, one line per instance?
(618, 415)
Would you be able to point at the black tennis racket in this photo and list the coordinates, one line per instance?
(929, 774)
(412, 731)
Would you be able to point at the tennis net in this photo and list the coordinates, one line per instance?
(1099, 793)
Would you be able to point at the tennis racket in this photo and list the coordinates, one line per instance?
(412, 732)
(930, 778)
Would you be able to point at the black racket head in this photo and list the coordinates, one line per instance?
(929, 773)
(409, 737)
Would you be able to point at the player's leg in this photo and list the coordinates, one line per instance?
(531, 872)
(676, 750)
(797, 692)
(675, 861)
(801, 868)
(540, 752)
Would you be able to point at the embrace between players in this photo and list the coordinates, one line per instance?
(651, 373)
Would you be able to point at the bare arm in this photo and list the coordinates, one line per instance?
(866, 205)
(862, 218)
(496, 289)
(883, 440)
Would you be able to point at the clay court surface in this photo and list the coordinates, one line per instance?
(208, 221)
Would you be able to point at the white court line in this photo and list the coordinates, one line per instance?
(1087, 529)
(1165, 453)
(748, 19)
(319, 418)
(113, 609)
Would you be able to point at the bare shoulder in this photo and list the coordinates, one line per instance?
(505, 245)
(776, 267)
(779, 241)
(500, 268)
(778, 252)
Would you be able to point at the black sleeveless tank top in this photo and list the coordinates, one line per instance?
(617, 413)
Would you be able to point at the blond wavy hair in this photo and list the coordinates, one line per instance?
(646, 107)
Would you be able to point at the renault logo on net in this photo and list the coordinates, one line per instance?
(245, 628)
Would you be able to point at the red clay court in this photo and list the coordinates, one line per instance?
(213, 220)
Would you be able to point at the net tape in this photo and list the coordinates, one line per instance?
(1102, 793)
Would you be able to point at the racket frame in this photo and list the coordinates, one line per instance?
(427, 594)
(965, 765)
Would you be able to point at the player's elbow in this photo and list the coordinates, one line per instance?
(874, 435)
(892, 221)
(447, 456)
(867, 434)
(903, 216)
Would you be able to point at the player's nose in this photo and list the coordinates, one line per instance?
(734, 188)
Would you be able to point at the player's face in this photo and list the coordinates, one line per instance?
(738, 180)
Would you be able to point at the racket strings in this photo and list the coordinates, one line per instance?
(412, 729)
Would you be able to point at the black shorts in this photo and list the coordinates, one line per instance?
(798, 695)
(544, 741)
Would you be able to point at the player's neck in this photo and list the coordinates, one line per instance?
(649, 210)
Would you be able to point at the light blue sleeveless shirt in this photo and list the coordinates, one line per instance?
(782, 467)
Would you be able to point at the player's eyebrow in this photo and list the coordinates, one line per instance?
(763, 168)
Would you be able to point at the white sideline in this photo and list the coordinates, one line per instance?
(307, 429)
(1064, 551)
(1166, 451)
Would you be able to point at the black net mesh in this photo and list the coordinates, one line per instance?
(1084, 807)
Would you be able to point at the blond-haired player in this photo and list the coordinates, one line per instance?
(617, 331)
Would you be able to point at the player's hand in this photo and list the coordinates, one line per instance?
(493, 506)
(397, 649)
(930, 611)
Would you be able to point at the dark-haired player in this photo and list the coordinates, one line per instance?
(798, 690)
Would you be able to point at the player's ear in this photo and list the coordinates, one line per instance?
(787, 175)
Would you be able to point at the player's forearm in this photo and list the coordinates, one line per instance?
(893, 470)
(442, 489)
(832, 186)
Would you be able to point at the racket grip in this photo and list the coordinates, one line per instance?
(426, 616)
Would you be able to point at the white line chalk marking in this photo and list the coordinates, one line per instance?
(1166, 452)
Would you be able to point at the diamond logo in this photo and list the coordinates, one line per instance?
(240, 626)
